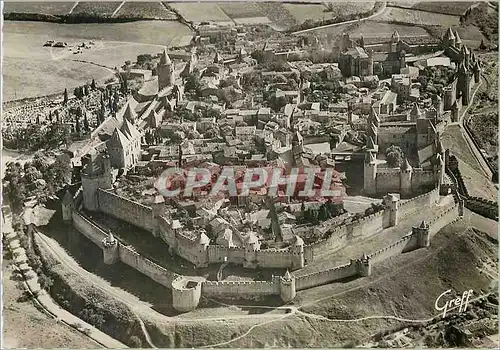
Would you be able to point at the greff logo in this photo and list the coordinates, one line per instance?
(306, 183)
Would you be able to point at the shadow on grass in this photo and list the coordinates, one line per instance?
(119, 275)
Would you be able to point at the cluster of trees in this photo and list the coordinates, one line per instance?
(193, 83)
(394, 156)
(434, 79)
(22, 182)
(325, 212)
(35, 138)
(153, 137)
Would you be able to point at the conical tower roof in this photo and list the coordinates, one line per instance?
(130, 113)
(110, 237)
(287, 276)
(423, 224)
(458, 39)
(449, 34)
(165, 58)
(395, 36)
(416, 112)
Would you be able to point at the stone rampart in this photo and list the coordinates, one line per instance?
(424, 200)
(274, 259)
(445, 217)
(241, 289)
(88, 228)
(325, 276)
(405, 244)
(145, 266)
(126, 210)
(342, 234)
(483, 207)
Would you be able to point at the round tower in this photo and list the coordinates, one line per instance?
(405, 175)
(203, 243)
(364, 266)
(165, 70)
(370, 173)
(110, 249)
(422, 233)
(252, 246)
(287, 287)
(297, 250)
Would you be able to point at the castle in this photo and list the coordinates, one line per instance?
(417, 133)
(418, 136)
(355, 60)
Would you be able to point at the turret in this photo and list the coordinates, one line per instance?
(405, 177)
(370, 173)
(166, 76)
(203, 243)
(363, 266)
(422, 235)
(370, 64)
(110, 249)
(415, 113)
(252, 246)
(448, 39)
(439, 169)
(287, 287)
(67, 205)
(464, 82)
(297, 250)
(391, 211)
(458, 41)
(477, 72)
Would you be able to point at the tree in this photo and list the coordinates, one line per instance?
(86, 122)
(394, 156)
(77, 124)
(92, 85)
(65, 100)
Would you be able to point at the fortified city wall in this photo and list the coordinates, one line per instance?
(187, 290)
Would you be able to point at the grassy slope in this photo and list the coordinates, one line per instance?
(405, 286)
(477, 183)
(30, 70)
(27, 327)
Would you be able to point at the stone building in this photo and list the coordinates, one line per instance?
(124, 146)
